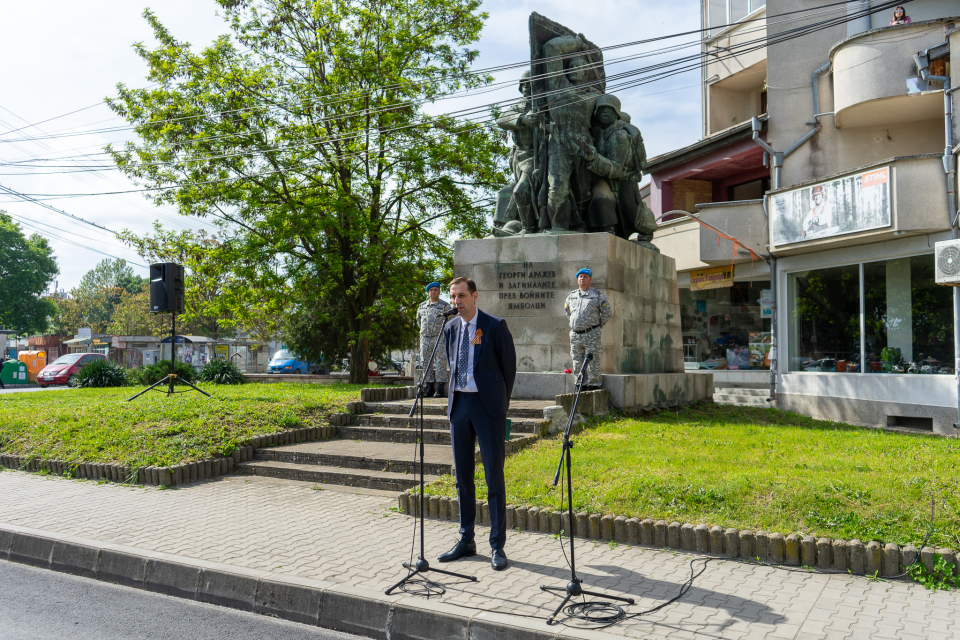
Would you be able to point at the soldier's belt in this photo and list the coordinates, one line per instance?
(587, 330)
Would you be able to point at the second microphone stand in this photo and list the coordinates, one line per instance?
(573, 588)
(422, 566)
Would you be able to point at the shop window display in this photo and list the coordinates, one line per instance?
(825, 320)
(728, 327)
(908, 318)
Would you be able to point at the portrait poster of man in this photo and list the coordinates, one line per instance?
(846, 205)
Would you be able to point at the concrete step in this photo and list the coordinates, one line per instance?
(390, 434)
(532, 409)
(742, 400)
(438, 422)
(382, 480)
(369, 456)
(740, 391)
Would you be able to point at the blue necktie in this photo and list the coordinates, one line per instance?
(462, 359)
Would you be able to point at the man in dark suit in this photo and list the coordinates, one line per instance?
(483, 367)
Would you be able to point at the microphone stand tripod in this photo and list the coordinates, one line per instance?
(573, 587)
(422, 566)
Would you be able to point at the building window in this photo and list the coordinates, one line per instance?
(752, 190)
(825, 319)
(723, 12)
(906, 320)
(727, 328)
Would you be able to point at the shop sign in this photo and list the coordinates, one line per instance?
(220, 351)
(850, 204)
(115, 342)
(711, 278)
(120, 345)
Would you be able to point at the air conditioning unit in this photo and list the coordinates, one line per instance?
(947, 259)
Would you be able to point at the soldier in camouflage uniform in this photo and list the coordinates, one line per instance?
(430, 320)
(588, 310)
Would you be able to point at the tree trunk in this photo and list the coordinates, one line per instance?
(359, 357)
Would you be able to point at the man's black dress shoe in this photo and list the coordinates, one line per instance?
(499, 560)
(462, 550)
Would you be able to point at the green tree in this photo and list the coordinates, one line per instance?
(132, 316)
(101, 289)
(304, 135)
(27, 267)
(207, 310)
(318, 331)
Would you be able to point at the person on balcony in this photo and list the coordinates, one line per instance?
(899, 17)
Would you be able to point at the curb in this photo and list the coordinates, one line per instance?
(314, 602)
(176, 475)
(826, 554)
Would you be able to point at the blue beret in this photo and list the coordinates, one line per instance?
(432, 285)
(586, 271)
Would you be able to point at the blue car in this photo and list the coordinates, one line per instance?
(284, 361)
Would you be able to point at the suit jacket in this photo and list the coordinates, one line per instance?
(494, 362)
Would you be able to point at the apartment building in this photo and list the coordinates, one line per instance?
(828, 154)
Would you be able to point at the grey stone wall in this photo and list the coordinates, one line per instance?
(526, 280)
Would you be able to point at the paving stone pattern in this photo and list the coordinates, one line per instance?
(347, 536)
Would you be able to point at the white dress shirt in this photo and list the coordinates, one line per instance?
(470, 326)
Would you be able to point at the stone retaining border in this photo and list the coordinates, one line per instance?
(178, 474)
(826, 554)
(314, 602)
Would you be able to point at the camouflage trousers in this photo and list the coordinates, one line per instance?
(438, 372)
(580, 345)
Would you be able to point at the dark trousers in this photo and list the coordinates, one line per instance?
(471, 425)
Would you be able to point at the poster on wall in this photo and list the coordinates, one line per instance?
(859, 202)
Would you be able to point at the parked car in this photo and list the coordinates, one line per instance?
(64, 369)
(285, 361)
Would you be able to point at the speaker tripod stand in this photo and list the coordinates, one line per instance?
(574, 587)
(421, 566)
(171, 378)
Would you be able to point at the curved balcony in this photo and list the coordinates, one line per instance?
(870, 73)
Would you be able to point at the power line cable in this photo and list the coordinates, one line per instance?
(732, 52)
(356, 94)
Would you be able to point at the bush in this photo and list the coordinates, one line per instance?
(221, 372)
(101, 373)
(148, 375)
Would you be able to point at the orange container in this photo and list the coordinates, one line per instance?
(35, 361)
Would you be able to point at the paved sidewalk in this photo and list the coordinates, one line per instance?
(352, 537)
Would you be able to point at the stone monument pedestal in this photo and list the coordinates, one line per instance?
(526, 279)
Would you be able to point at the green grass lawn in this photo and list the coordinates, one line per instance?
(99, 425)
(751, 469)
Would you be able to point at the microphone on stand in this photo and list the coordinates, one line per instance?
(451, 313)
(588, 358)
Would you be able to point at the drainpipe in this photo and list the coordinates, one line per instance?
(775, 158)
(774, 354)
(922, 60)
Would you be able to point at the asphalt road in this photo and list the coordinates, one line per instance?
(38, 604)
(12, 389)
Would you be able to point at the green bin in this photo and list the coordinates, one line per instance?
(14, 372)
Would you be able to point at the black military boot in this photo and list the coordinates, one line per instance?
(429, 390)
(441, 390)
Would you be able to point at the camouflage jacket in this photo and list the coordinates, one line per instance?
(429, 316)
(587, 309)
